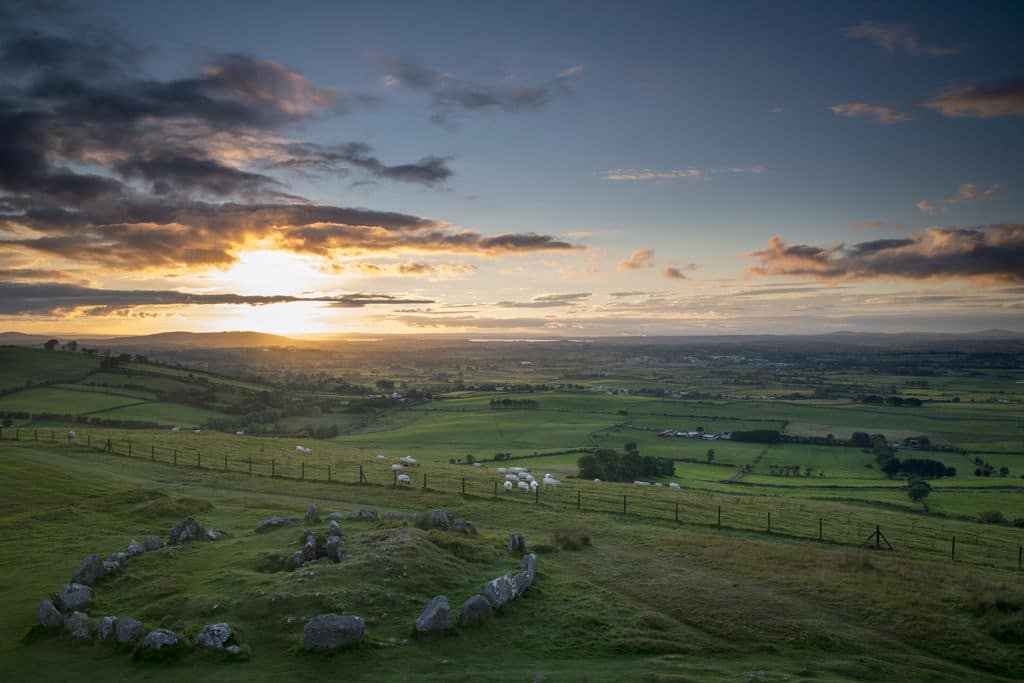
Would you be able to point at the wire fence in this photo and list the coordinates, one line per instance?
(834, 522)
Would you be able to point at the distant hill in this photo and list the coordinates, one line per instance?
(209, 340)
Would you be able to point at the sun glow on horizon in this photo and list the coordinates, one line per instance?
(268, 272)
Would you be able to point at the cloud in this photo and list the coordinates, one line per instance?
(628, 294)
(449, 93)
(644, 258)
(968, 192)
(876, 225)
(430, 170)
(990, 254)
(410, 269)
(985, 101)
(675, 173)
(879, 112)
(49, 298)
(894, 37)
(673, 273)
(547, 301)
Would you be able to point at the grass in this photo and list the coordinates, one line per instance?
(645, 600)
(21, 366)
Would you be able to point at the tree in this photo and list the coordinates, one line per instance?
(891, 466)
(918, 490)
(51, 345)
(71, 346)
(711, 454)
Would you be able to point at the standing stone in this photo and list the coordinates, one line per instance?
(516, 543)
(440, 519)
(187, 529)
(134, 548)
(335, 515)
(363, 514)
(73, 596)
(334, 529)
(77, 626)
(161, 638)
(500, 591)
(333, 548)
(312, 513)
(475, 609)
(522, 580)
(309, 549)
(529, 563)
(328, 632)
(214, 636)
(465, 526)
(128, 630)
(436, 617)
(89, 571)
(108, 627)
(49, 617)
(297, 559)
(151, 542)
(274, 521)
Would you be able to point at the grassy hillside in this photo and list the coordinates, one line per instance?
(20, 366)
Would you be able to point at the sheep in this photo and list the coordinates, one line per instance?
(397, 468)
(658, 484)
(528, 477)
(502, 470)
(174, 429)
(300, 449)
(673, 485)
(72, 435)
(533, 484)
(550, 481)
(524, 486)
(379, 456)
(477, 464)
(511, 477)
(642, 483)
(404, 480)
(597, 481)
(508, 487)
(408, 460)
(238, 433)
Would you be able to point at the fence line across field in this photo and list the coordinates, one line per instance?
(790, 518)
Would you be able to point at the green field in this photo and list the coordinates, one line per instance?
(20, 366)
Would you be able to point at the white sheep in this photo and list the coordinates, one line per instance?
(397, 468)
(642, 483)
(673, 485)
(408, 460)
(597, 481)
(404, 480)
(379, 456)
(528, 477)
(174, 429)
(533, 484)
(659, 484)
(511, 477)
(300, 448)
(502, 470)
(72, 435)
(524, 486)
(550, 481)
(477, 464)
(238, 433)
(508, 487)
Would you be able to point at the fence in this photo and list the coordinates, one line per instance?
(835, 522)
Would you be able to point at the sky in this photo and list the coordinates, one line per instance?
(529, 169)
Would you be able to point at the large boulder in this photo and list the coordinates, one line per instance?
(135, 548)
(465, 526)
(439, 519)
(187, 529)
(78, 627)
(73, 596)
(309, 549)
(128, 631)
(151, 542)
(333, 548)
(214, 637)
(529, 563)
(516, 543)
(108, 628)
(522, 580)
(363, 514)
(49, 616)
(274, 522)
(476, 608)
(215, 534)
(312, 513)
(500, 591)
(334, 529)
(435, 618)
(89, 571)
(297, 559)
(161, 639)
(335, 515)
(328, 632)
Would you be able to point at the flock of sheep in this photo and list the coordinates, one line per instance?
(520, 477)
(403, 462)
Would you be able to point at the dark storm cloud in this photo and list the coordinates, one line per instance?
(431, 170)
(49, 298)
(993, 253)
(985, 101)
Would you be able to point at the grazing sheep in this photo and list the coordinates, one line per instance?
(658, 484)
(72, 435)
(524, 486)
(239, 433)
(404, 480)
(408, 460)
(502, 470)
(396, 468)
(511, 477)
(533, 484)
(477, 464)
(379, 456)
(597, 481)
(550, 481)
(673, 485)
(529, 477)
(642, 483)
(508, 487)
(174, 429)
(300, 449)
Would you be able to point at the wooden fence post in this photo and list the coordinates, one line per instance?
(677, 513)
(152, 452)
(273, 468)
(424, 481)
(819, 529)
(225, 463)
(623, 503)
(328, 473)
(579, 500)
(536, 495)
(719, 516)
(495, 488)
(199, 460)
(17, 434)
(463, 487)
(952, 551)
(53, 437)
(175, 456)
(302, 474)
(250, 465)
(769, 521)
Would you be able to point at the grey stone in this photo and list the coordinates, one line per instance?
(108, 627)
(160, 638)
(77, 626)
(529, 563)
(89, 571)
(522, 580)
(128, 630)
(335, 515)
(49, 616)
(475, 609)
(309, 549)
(500, 591)
(73, 596)
(187, 529)
(232, 649)
(297, 559)
(363, 514)
(151, 542)
(274, 522)
(395, 516)
(465, 526)
(134, 548)
(327, 632)
(215, 534)
(111, 567)
(119, 557)
(436, 617)
(516, 543)
(312, 513)
(333, 548)
(334, 529)
(439, 519)
(214, 636)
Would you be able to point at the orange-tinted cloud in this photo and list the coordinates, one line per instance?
(985, 101)
(878, 112)
(643, 258)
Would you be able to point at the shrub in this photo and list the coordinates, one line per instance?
(992, 517)
(571, 539)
